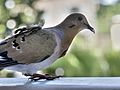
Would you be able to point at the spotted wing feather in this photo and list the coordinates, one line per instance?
(37, 46)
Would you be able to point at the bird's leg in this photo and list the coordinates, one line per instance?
(36, 77)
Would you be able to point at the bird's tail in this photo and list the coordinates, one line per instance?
(4, 64)
(5, 61)
(2, 45)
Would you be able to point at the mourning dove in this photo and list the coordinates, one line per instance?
(33, 48)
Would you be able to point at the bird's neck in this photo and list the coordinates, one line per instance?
(68, 37)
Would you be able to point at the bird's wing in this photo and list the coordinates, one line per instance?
(36, 47)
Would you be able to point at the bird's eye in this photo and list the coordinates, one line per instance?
(79, 18)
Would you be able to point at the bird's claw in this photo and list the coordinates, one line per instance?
(50, 77)
(36, 77)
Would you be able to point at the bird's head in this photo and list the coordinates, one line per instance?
(76, 21)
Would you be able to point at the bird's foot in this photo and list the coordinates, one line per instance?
(36, 77)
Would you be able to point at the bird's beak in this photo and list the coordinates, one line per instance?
(90, 28)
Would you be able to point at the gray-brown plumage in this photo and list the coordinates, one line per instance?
(28, 48)
(35, 48)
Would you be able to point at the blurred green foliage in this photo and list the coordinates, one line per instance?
(113, 58)
(79, 61)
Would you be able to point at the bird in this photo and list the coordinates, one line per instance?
(34, 48)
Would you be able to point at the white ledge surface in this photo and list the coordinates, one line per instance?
(69, 83)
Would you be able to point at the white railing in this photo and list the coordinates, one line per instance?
(69, 83)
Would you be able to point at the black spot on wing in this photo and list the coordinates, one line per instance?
(23, 39)
(20, 30)
(15, 45)
(18, 48)
(5, 61)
